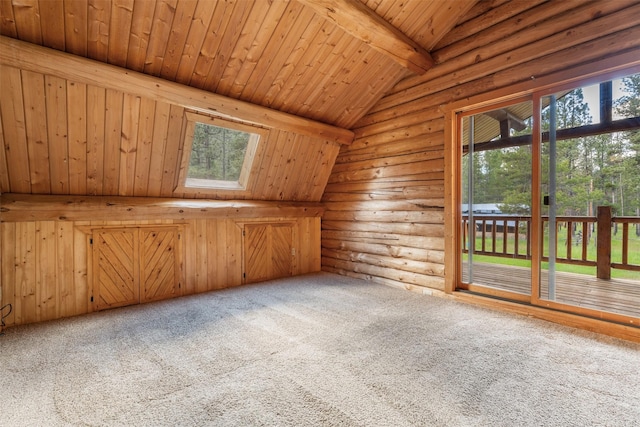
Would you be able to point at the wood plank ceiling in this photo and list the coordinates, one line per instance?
(281, 54)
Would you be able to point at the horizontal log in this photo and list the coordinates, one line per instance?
(403, 159)
(552, 14)
(436, 165)
(487, 20)
(409, 229)
(385, 118)
(384, 281)
(402, 131)
(436, 81)
(27, 56)
(396, 147)
(382, 184)
(387, 205)
(402, 264)
(434, 243)
(418, 217)
(388, 273)
(399, 194)
(437, 176)
(367, 128)
(432, 142)
(23, 207)
(415, 254)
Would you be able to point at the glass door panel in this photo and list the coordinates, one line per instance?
(496, 201)
(590, 188)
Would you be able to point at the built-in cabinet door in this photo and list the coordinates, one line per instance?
(268, 251)
(135, 264)
(115, 268)
(159, 264)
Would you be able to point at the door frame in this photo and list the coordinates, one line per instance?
(579, 76)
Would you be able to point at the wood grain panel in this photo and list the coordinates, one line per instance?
(177, 36)
(159, 262)
(115, 269)
(120, 25)
(95, 139)
(171, 161)
(75, 26)
(49, 269)
(191, 50)
(162, 19)
(4, 171)
(268, 251)
(7, 20)
(33, 89)
(129, 144)
(26, 266)
(8, 284)
(281, 250)
(260, 24)
(53, 32)
(144, 146)
(112, 138)
(57, 132)
(257, 257)
(98, 24)
(141, 22)
(27, 18)
(201, 246)
(14, 136)
(228, 44)
(46, 286)
(77, 137)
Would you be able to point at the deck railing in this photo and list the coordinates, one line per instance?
(509, 236)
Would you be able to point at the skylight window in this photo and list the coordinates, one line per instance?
(218, 154)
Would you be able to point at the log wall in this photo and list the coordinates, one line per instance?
(46, 264)
(385, 198)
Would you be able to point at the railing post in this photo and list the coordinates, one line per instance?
(603, 243)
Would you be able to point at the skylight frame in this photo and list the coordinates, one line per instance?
(245, 182)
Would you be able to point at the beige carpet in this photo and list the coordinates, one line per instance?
(314, 350)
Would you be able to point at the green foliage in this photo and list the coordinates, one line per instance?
(629, 163)
(591, 171)
(217, 153)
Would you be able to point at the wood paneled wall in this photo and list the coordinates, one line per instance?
(385, 197)
(46, 265)
(64, 137)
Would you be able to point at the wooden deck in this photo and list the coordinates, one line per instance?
(619, 296)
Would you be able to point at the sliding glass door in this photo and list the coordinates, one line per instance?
(549, 194)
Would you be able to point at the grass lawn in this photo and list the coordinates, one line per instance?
(616, 253)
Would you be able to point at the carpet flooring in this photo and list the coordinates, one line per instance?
(314, 350)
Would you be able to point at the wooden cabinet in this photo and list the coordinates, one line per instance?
(115, 268)
(136, 264)
(269, 251)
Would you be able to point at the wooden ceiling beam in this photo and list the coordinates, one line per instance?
(31, 57)
(363, 23)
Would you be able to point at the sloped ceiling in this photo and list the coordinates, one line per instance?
(281, 54)
(317, 64)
